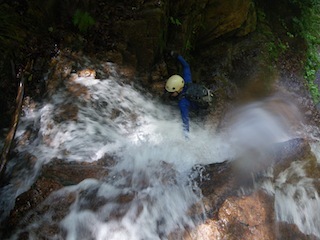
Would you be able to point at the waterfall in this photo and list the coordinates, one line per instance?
(153, 161)
(254, 128)
(147, 193)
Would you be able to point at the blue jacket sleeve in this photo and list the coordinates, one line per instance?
(184, 105)
(186, 69)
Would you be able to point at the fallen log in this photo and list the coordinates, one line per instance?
(11, 134)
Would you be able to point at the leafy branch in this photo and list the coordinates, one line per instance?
(83, 20)
(175, 21)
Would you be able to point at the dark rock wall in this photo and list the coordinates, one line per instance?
(224, 41)
(147, 30)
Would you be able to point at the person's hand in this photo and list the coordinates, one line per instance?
(174, 54)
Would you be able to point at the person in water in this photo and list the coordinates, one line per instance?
(187, 93)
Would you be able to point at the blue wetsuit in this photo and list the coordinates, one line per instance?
(184, 103)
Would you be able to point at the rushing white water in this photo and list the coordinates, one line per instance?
(254, 129)
(141, 134)
(153, 160)
(296, 199)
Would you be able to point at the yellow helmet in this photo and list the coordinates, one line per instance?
(174, 84)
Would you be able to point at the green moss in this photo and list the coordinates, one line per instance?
(294, 21)
(307, 26)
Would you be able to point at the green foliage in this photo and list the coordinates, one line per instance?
(83, 20)
(311, 67)
(290, 35)
(175, 21)
(188, 46)
(307, 26)
(275, 45)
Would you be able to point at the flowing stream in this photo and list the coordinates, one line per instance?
(152, 166)
(140, 134)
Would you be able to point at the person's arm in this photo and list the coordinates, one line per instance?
(184, 109)
(186, 69)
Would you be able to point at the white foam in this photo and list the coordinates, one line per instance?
(141, 134)
(297, 200)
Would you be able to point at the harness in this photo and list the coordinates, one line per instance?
(198, 94)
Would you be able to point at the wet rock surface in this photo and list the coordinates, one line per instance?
(247, 217)
(233, 206)
(238, 208)
(233, 67)
(53, 177)
(231, 213)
